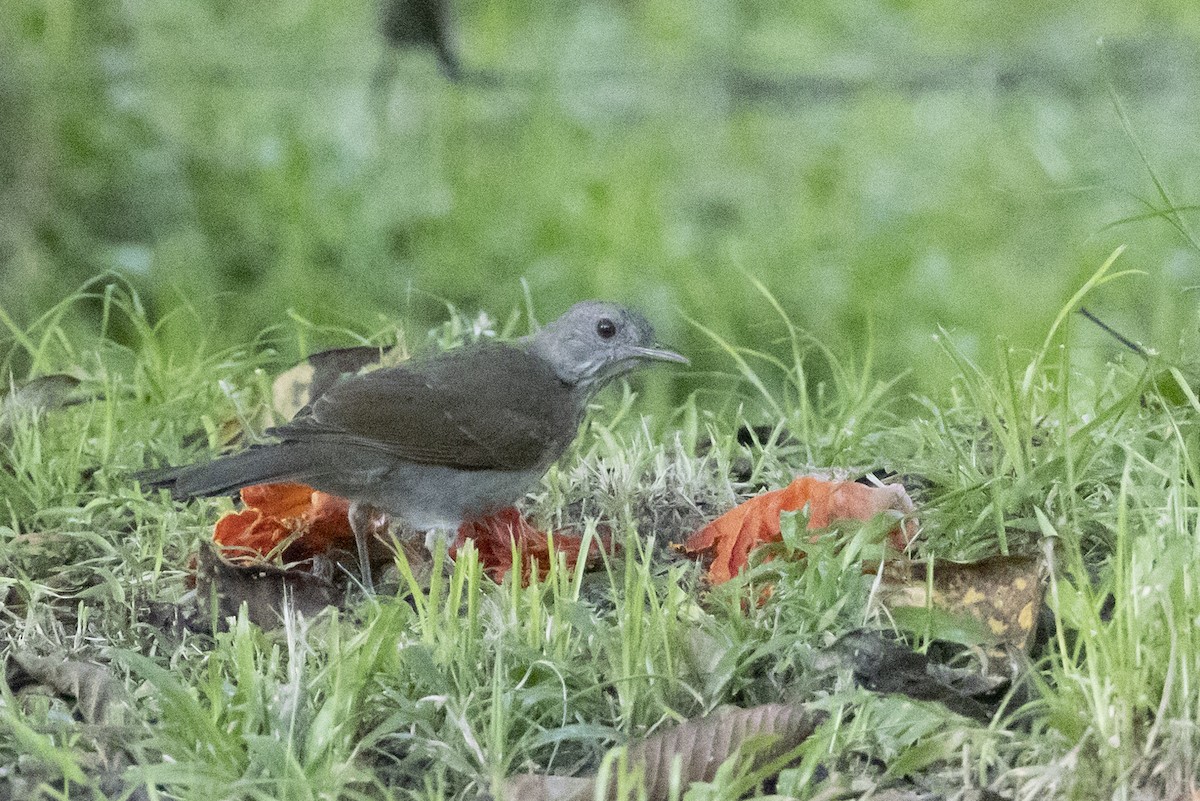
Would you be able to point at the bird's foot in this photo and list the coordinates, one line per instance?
(367, 522)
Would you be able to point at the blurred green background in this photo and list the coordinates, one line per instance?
(882, 167)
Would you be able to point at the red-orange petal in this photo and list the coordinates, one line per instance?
(727, 541)
(275, 512)
(496, 535)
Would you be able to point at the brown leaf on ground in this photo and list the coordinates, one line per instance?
(726, 542)
(1003, 593)
(496, 535)
(99, 696)
(264, 588)
(99, 699)
(885, 666)
(537, 787)
(303, 383)
(699, 746)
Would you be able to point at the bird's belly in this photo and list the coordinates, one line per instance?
(430, 497)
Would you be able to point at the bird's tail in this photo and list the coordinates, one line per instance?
(224, 476)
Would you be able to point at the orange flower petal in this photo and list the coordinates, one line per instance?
(280, 501)
(249, 530)
(324, 525)
(727, 541)
(496, 535)
(317, 521)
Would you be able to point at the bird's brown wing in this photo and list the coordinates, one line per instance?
(484, 407)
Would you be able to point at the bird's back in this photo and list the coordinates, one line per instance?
(490, 406)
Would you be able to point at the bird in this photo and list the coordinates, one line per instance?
(446, 438)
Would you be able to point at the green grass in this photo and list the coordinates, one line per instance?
(447, 687)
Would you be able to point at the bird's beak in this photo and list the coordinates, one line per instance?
(659, 354)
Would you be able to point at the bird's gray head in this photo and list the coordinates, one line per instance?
(596, 341)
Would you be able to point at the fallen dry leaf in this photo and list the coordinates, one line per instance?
(885, 666)
(1003, 593)
(295, 388)
(496, 535)
(303, 383)
(264, 588)
(536, 787)
(700, 746)
(99, 695)
(726, 542)
(99, 699)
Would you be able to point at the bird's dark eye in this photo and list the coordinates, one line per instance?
(606, 328)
